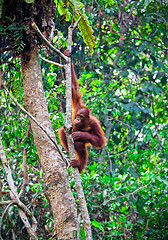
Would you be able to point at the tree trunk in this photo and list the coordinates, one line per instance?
(57, 188)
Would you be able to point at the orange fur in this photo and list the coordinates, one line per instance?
(88, 132)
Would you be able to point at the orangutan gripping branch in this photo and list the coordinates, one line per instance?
(86, 128)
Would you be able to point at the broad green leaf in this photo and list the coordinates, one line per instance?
(162, 180)
(66, 7)
(97, 225)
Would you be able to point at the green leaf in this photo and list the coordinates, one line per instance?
(86, 30)
(116, 139)
(162, 180)
(157, 90)
(141, 47)
(66, 7)
(124, 73)
(82, 234)
(153, 58)
(97, 225)
(29, 1)
(132, 172)
(135, 51)
(147, 2)
(160, 64)
(164, 80)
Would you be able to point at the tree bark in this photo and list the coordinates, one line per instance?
(56, 183)
(68, 128)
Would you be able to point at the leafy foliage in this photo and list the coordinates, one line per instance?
(66, 8)
(124, 83)
(12, 32)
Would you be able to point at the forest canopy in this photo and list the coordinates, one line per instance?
(120, 56)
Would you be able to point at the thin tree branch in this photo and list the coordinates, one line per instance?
(151, 42)
(130, 143)
(10, 204)
(129, 126)
(0, 190)
(131, 193)
(41, 127)
(4, 202)
(52, 31)
(68, 130)
(25, 176)
(75, 25)
(51, 62)
(23, 210)
(47, 42)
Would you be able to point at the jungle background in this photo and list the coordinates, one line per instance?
(123, 80)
